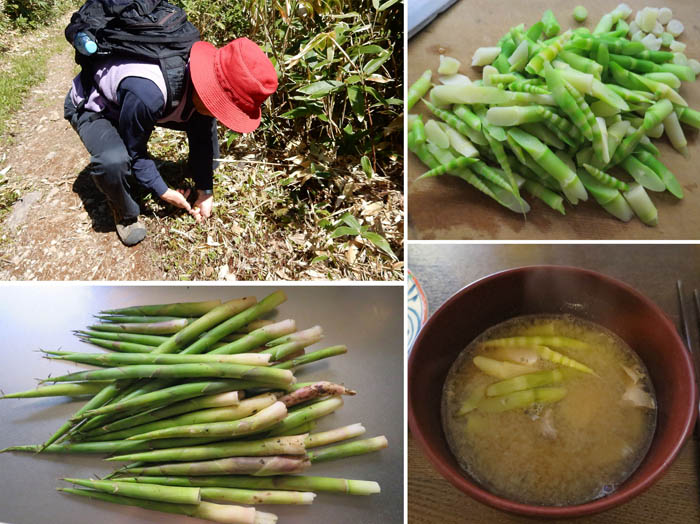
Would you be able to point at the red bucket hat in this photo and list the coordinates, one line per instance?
(233, 81)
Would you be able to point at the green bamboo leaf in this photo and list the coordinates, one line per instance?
(344, 230)
(370, 49)
(351, 221)
(357, 101)
(367, 166)
(387, 5)
(380, 242)
(375, 4)
(372, 91)
(321, 88)
(301, 111)
(376, 63)
(230, 137)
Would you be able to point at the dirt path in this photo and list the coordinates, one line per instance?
(61, 229)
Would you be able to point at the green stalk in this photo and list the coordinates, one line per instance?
(236, 322)
(418, 129)
(569, 182)
(180, 309)
(292, 482)
(662, 171)
(349, 449)
(256, 466)
(306, 427)
(529, 381)
(454, 165)
(146, 340)
(521, 399)
(217, 400)
(174, 494)
(164, 396)
(117, 345)
(543, 340)
(244, 408)
(653, 117)
(605, 178)
(549, 197)
(324, 438)
(688, 116)
(131, 359)
(564, 99)
(113, 446)
(306, 338)
(154, 328)
(139, 319)
(136, 389)
(290, 445)
(418, 89)
(609, 198)
(58, 390)
(312, 412)
(213, 318)
(643, 207)
(257, 338)
(256, 423)
(246, 496)
(263, 375)
(643, 174)
(205, 510)
(98, 400)
(550, 24)
(328, 352)
(249, 328)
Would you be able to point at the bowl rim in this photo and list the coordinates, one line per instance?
(471, 488)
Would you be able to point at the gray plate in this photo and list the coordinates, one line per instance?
(369, 320)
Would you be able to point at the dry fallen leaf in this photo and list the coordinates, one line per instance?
(223, 272)
(372, 209)
(351, 253)
(298, 238)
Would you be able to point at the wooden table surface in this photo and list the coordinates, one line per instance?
(653, 270)
(449, 208)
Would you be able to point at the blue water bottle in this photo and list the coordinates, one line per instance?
(84, 44)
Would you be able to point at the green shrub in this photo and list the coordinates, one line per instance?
(340, 67)
(29, 14)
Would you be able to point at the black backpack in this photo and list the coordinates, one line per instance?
(142, 29)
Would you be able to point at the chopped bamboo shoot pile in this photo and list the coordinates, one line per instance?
(561, 115)
(202, 401)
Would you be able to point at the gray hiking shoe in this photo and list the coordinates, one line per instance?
(130, 231)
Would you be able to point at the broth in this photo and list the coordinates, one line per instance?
(554, 451)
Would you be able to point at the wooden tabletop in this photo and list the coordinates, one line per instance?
(449, 208)
(653, 270)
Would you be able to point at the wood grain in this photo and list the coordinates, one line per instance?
(653, 270)
(449, 208)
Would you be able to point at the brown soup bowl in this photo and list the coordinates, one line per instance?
(554, 290)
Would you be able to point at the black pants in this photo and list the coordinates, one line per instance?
(110, 164)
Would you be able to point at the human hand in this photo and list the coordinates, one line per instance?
(203, 205)
(178, 198)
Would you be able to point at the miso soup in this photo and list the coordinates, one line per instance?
(549, 410)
